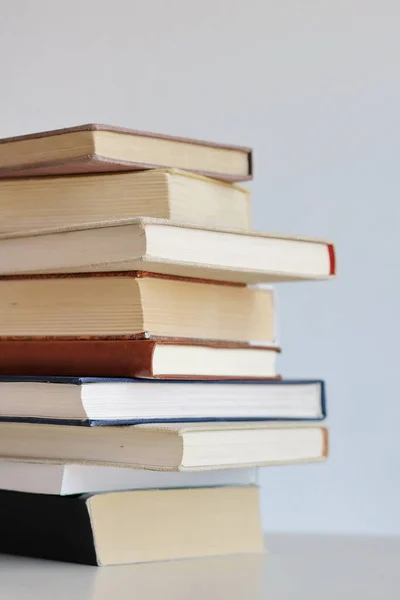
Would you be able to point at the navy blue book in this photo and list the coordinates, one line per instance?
(100, 401)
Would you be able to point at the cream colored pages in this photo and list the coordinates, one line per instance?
(127, 306)
(170, 152)
(41, 203)
(182, 428)
(166, 524)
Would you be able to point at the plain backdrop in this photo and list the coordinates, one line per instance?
(314, 87)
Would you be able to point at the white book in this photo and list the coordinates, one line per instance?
(65, 479)
(101, 401)
(169, 248)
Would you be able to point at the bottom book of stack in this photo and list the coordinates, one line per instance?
(132, 526)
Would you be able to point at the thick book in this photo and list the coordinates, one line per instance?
(47, 202)
(93, 401)
(95, 148)
(64, 479)
(148, 359)
(167, 446)
(167, 247)
(135, 305)
(132, 527)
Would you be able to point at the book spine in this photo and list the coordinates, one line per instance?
(46, 526)
(97, 358)
(71, 358)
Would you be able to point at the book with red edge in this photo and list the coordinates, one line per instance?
(170, 248)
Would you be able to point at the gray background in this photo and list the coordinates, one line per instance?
(314, 87)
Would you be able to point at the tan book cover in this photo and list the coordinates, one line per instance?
(95, 148)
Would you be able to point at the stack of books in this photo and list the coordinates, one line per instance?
(139, 388)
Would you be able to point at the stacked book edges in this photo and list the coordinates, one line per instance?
(140, 389)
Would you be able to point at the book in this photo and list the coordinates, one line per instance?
(136, 305)
(179, 359)
(132, 527)
(48, 202)
(95, 148)
(65, 479)
(91, 401)
(162, 246)
(167, 446)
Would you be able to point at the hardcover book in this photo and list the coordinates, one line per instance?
(135, 305)
(33, 203)
(149, 359)
(167, 446)
(132, 527)
(170, 248)
(95, 148)
(90, 401)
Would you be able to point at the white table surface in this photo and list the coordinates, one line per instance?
(295, 567)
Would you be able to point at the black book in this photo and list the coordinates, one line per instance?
(131, 527)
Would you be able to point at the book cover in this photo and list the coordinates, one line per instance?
(88, 160)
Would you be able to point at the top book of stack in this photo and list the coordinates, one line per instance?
(97, 148)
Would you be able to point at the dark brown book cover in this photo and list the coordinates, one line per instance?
(93, 163)
(95, 358)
